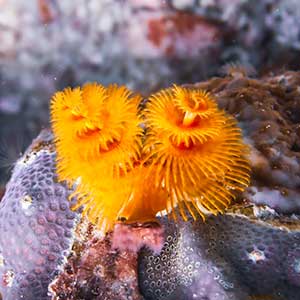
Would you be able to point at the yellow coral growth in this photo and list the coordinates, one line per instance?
(192, 157)
(196, 150)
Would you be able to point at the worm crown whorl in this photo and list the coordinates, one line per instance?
(194, 101)
(188, 117)
(196, 150)
(98, 140)
(96, 125)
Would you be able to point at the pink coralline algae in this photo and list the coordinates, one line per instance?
(172, 35)
(134, 238)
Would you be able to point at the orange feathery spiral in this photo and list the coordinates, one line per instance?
(195, 151)
(98, 139)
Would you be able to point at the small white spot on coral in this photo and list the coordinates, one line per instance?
(256, 255)
(1, 260)
(264, 212)
(297, 265)
(26, 202)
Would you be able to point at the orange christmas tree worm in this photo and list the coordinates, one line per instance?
(191, 157)
(196, 151)
(98, 139)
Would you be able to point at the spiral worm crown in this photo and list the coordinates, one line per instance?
(196, 151)
(97, 136)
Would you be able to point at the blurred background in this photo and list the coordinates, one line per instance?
(47, 45)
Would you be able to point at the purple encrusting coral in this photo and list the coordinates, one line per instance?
(233, 256)
(36, 225)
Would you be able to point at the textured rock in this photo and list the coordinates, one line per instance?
(268, 111)
(96, 270)
(36, 225)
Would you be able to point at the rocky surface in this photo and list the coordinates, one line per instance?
(268, 111)
(97, 270)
